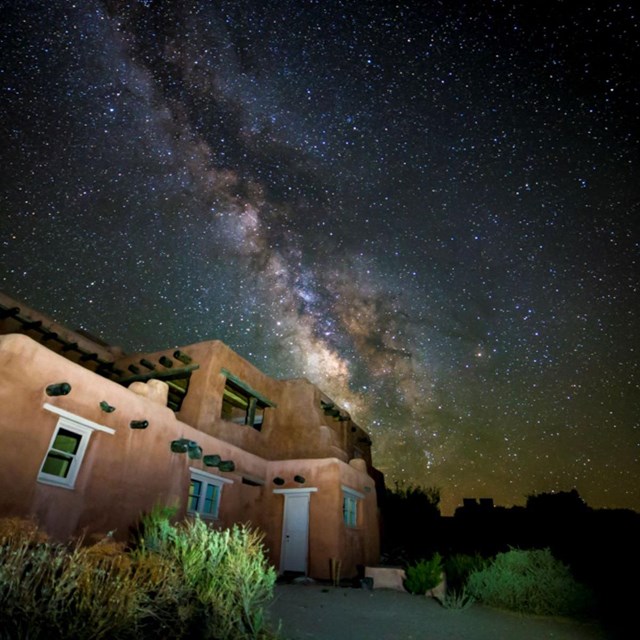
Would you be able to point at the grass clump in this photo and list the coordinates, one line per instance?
(457, 599)
(424, 575)
(530, 581)
(180, 581)
(457, 569)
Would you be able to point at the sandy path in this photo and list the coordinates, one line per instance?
(320, 612)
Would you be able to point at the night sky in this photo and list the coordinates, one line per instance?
(429, 209)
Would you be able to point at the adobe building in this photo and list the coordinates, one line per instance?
(91, 437)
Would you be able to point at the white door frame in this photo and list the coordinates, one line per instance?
(306, 491)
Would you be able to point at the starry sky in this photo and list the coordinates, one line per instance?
(427, 208)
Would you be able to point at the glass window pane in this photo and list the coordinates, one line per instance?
(195, 490)
(350, 511)
(62, 461)
(211, 500)
(57, 464)
(67, 441)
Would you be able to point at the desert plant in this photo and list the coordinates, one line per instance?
(530, 581)
(104, 594)
(14, 530)
(48, 589)
(155, 530)
(457, 599)
(424, 575)
(196, 583)
(460, 566)
(225, 572)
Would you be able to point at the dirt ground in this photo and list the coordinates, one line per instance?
(323, 612)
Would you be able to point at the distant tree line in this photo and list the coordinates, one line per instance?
(410, 520)
(601, 546)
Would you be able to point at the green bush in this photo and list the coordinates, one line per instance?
(530, 581)
(182, 581)
(459, 567)
(424, 575)
(225, 572)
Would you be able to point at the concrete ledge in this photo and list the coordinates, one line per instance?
(386, 577)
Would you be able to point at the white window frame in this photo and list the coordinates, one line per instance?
(351, 497)
(206, 479)
(75, 424)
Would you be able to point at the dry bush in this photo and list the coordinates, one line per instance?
(194, 583)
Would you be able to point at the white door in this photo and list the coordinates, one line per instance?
(295, 530)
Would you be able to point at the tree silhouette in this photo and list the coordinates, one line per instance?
(410, 522)
(562, 503)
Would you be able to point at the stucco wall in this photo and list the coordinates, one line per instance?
(121, 474)
(328, 535)
(126, 473)
(296, 428)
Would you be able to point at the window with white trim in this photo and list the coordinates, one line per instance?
(66, 450)
(205, 491)
(350, 500)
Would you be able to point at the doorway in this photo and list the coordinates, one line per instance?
(294, 550)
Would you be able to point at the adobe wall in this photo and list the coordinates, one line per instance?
(328, 535)
(121, 475)
(124, 474)
(360, 545)
(202, 405)
(296, 428)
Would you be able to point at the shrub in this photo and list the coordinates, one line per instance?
(48, 589)
(225, 573)
(530, 581)
(195, 583)
(424, 575)
(14, 530)
(460, 566)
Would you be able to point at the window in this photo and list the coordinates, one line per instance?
(350, 510)
(241, 404)
(242, 408)
(350, 499)
(68, 444)
(205, 491)
(204, 497)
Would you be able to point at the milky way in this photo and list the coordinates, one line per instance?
(429, 209)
